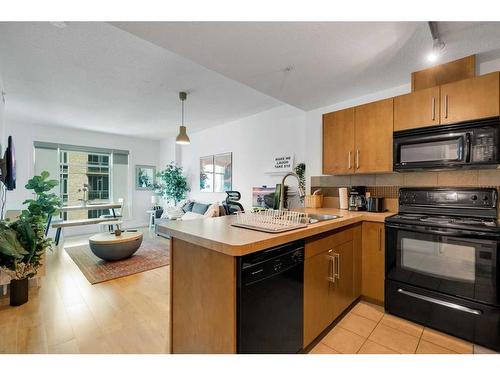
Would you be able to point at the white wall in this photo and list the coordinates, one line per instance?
(253, 141)
(142, 151)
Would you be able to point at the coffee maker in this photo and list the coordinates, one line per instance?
(357, 198)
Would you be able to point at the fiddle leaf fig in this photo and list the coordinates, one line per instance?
(173, 185)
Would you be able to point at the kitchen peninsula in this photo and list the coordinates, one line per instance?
(204, 257)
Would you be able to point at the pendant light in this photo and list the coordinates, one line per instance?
(182, 138)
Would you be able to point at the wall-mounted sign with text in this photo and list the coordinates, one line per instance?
(282, 164)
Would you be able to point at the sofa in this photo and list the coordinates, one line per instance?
(190, 210)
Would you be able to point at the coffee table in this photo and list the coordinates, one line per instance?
(108, 246)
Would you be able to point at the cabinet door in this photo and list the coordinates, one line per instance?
(373, 261)
(470, 99)
(417, 109)
(373, 137)
(317, 299)
(338, 142)
(343, 287)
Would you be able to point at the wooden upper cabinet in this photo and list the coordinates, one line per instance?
(373, 136)
(470, 99)
(338, 142)
(373, 261)
(417, 109)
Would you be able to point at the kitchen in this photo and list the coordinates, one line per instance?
(447, 125)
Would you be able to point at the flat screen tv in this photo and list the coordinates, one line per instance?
(8, 166)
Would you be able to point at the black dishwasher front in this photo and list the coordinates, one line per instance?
(270, 300)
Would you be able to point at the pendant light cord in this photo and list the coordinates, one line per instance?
(182, 116)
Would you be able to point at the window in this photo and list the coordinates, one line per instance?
(80, 170)
(97, 175)
(216, 173)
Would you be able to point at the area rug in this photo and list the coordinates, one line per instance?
(149, 256)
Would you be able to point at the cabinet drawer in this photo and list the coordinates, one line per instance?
(325, 241)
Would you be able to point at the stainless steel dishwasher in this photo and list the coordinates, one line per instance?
(270, 300)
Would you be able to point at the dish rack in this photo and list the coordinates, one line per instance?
(271, 221)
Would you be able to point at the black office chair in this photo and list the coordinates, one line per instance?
(231, 204)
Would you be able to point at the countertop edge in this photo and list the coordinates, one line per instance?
(275, 240)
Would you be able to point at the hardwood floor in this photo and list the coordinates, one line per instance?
(66, 314)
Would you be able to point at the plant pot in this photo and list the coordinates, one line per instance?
(18, 292)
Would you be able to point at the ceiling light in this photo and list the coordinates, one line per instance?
(432, 56)
(437, 44)
(182, 137)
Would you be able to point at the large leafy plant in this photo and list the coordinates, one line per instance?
(172, 184)
(23, 242)
(44, 203)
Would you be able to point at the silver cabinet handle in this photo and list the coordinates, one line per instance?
(357, 159)
(446, 106)
(349, 160)
(331, 267)
(337, 263)
(380, 239)
(439, 302)
(433, 109)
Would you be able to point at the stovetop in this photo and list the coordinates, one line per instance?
(472, 209)
(469, 223)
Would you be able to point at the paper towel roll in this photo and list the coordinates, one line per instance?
(343, 199)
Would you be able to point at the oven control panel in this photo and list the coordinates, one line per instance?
(485, 198)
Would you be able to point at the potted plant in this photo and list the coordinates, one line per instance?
(23, 242)
(172, 184)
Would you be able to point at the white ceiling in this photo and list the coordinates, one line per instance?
(95, 76)
(332, 61)
(124, 78)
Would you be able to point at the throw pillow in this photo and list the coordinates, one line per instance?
(192, 216)
(212, 211)
(188, 206)
(199, 208)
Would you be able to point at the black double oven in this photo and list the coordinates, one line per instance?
(443, 262)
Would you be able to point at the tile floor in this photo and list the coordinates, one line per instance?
(367, 329)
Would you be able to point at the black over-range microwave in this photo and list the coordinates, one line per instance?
(472, 144)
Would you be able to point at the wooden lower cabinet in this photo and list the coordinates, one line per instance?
(318, 304)
(373, 261)
(330, 284)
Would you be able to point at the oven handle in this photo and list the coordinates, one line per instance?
(442, 303)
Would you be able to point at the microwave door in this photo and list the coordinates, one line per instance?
(437, 151)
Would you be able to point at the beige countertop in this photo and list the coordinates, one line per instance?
(217, 234)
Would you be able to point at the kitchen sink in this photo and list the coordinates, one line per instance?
(316, 218)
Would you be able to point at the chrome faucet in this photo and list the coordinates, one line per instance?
(282, 192)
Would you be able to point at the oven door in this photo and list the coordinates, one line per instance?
(431, 151)
(453, 262)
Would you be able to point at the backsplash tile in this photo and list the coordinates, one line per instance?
(389, 179)
(365, 180)
(464, 178)
(387, 185)
(419, 179)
